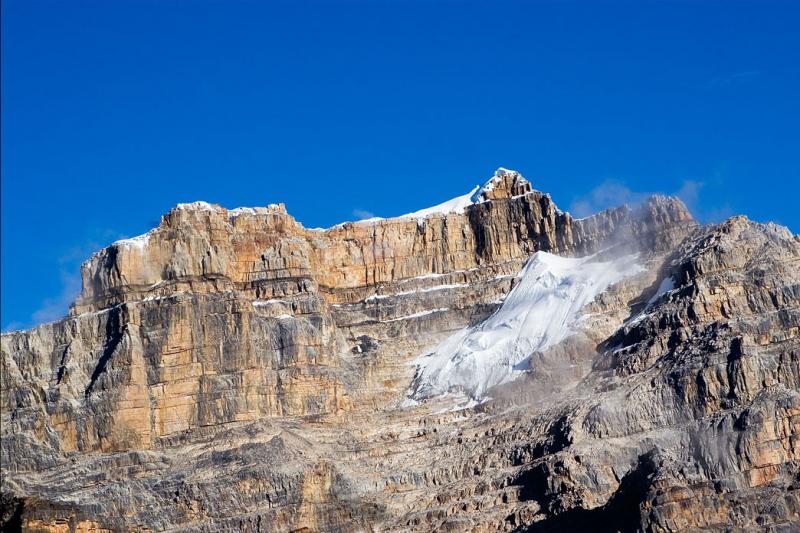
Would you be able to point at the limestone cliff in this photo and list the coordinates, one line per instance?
(233, 370)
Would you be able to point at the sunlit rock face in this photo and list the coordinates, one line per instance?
(234, 370)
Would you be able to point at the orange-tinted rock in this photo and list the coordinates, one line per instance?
(235, 370)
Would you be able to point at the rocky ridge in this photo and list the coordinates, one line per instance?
(233, 370)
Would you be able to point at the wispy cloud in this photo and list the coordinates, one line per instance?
(613, 193)
(69, 275)
(56, 307)
(610, 193)
(734, 78)
(362, 214)
(689, 192)
(715, 215)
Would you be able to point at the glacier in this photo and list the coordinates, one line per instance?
(542, 310)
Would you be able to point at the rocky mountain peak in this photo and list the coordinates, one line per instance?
(504, 183)
(487, 364)
(662, 207)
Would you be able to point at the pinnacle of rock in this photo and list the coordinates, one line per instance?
(504, 183)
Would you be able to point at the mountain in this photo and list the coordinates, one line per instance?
(488, 364)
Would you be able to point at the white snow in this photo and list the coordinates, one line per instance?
(454, 205)
(539, 312)
(375, 297)
(416, 315)
(138, 242)
(459, 203)
(268, 302)
(201, 205)
(253, 211)
(154, 297)
(666, 285)
(495, 179)
(434, 276)
(782, 232)
(369, 220)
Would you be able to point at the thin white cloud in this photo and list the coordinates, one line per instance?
(610, 193)
(734, 78)
(56, 307)
(362, 214)
(689, 192)
(613, 193)
(717, 214)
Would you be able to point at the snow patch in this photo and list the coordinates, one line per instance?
(154, 297)
(199, 205)
(776, 230)
(454, 205)
(539, 312)
(664, 287)
(232, 213)
(376, 297)
(499, 174)
(258, 303)
(138, 242)
(416, 315)
(253, 211)
(437, 275)
(459, 203)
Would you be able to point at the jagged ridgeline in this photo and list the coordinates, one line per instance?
(487, 364)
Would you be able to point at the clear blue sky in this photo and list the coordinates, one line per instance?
(112, 112)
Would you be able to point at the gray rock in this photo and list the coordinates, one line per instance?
(234, 371)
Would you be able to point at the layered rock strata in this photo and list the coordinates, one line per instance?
(233, 370)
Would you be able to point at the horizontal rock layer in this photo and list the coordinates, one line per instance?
(233, 370)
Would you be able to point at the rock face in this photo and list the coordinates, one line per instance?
(233, 370)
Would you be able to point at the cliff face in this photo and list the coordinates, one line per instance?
(235, 370)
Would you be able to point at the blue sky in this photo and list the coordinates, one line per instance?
(112, 112)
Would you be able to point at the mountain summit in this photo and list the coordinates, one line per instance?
(503, 184)
(486, 364)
